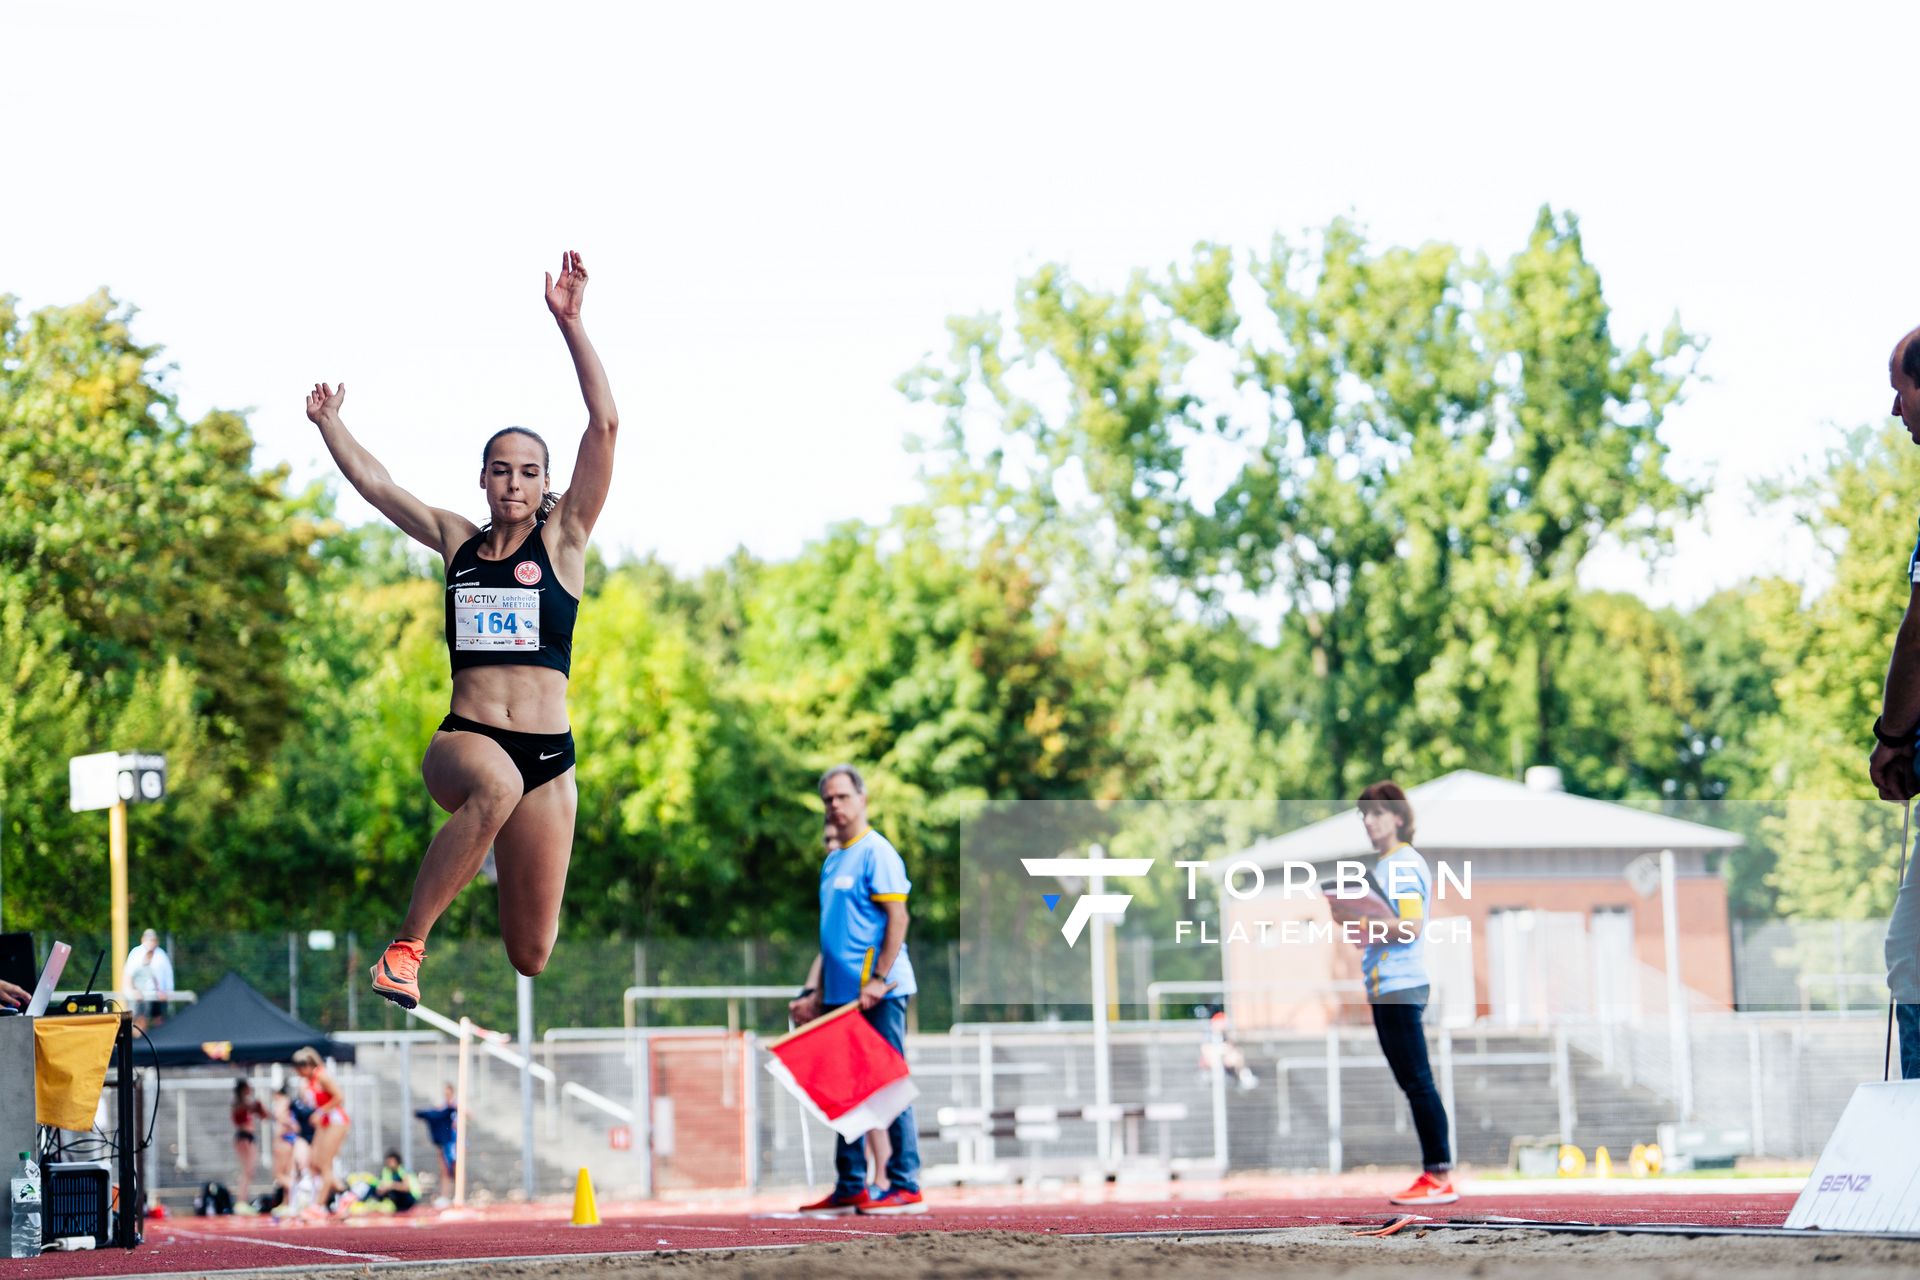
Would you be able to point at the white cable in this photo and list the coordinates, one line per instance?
(1906, 822)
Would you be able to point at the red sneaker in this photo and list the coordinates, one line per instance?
(1428, 1188)
(396, 974)
(895, 1202)
(838, 1206)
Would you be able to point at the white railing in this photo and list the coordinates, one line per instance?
(494, 1045)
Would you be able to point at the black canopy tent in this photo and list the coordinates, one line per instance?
(232, 1023)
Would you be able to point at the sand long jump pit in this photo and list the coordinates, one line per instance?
(1631, 1235)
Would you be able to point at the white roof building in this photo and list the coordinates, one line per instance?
(1548, 831)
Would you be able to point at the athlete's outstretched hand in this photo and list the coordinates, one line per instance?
(323, 402)
(565, 295)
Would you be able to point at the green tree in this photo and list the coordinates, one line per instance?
(161, 561)
(692, 816)
(1408, 452)
(156, 534)
(47, 855)
(934, 673)
(1838, 855)
(1582, 421)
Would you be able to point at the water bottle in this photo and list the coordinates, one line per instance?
(26, 1210)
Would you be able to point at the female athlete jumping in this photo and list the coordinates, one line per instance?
(502, 761)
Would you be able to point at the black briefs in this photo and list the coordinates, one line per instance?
(540, 757)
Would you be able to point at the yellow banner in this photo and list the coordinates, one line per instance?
(70, 1067)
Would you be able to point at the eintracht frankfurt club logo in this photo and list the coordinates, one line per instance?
(526, 573)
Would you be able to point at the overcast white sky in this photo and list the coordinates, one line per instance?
(781, 204)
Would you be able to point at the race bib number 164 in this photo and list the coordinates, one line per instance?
(492, 618)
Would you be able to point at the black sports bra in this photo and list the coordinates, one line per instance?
(511, 612)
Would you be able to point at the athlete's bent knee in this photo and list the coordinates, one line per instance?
(493, 801)
(529, 959)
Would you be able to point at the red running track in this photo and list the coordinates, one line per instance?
(217, 1244)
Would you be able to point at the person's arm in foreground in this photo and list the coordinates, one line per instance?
(804, 1009)
(1891, 767)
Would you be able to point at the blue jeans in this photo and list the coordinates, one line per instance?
(889, 1018)
(1908, 1016)
(1396, 1020)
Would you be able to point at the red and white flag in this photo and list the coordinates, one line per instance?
(844, 1072)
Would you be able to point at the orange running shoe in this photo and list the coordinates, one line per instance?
(837, 1205)
(895, 1201)
(1428, 1188)
(396, 974)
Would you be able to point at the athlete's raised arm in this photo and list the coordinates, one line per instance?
(433, 527)
(593, 467)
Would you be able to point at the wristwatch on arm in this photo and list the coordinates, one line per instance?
(1897, 741)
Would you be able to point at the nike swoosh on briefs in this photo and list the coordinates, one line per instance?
(551, 754)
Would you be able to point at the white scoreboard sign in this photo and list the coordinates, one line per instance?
(107, 778)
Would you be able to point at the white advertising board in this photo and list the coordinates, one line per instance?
(1868, 1178)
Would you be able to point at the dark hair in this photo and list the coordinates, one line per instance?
(551, 497)
(1387, 797)
(394, 1156)
(241, 1086)
(1910, 357)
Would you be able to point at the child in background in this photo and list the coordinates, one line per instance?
(443, 1126)
(397, 1188)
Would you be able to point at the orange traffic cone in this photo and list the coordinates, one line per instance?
(585, 1212)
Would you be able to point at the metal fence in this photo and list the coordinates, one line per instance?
(1815, 965)
(676, 1111)
(325, 985)
(670, 1096)
(1778, 966)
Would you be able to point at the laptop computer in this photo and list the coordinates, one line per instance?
(49, 978)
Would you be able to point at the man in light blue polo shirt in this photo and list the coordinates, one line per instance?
(863, 957)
